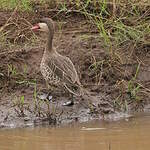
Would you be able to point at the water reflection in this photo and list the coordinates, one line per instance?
(122, 135)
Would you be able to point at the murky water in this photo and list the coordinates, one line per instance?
(133, 134)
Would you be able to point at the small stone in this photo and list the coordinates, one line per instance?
(45, 96)
(50, 97)
(42, 96)
(94, 46)
(1, 74)
(26, 118)
(68, 103)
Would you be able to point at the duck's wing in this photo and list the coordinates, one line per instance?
(63, 68)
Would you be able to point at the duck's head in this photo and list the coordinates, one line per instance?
(44, 25)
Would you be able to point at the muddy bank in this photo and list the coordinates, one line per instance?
(20, 103)
(118, 83)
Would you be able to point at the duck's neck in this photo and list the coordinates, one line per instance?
(49, 44)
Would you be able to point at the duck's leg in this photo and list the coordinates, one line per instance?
(46, 94)
(50, 91)
(70, 101)
(72, 98)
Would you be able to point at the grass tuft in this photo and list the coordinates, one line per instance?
(23, 5)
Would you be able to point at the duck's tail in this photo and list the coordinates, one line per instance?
(72, 92)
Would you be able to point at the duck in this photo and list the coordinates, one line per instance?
(56, 69)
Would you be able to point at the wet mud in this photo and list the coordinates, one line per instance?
(103, 75)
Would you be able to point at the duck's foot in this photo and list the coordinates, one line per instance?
(45, 96)
(68, 103)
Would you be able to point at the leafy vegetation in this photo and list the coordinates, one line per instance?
(20, 4)
(123, 27)
(118, 22)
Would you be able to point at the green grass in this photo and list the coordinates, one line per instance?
(133, 87)
(11, 70)
(23, 5)
(128, 22)
(119, 25)
(19, 105)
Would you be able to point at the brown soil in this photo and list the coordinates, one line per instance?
(20, 57)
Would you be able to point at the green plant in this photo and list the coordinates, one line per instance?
(25, 70)
(102, 31)
(50, 112)
(133, 87)
(62, 7)
(20, 104)
(35, 98)
(23, 5)
(96, 68)
(11, 70)
(1, 74)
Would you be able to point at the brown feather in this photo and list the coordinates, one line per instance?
(55, 68)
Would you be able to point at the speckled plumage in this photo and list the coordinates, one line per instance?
(55, 68)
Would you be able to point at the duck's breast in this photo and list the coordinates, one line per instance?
(48, 73)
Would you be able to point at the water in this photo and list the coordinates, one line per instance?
(123, 135)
